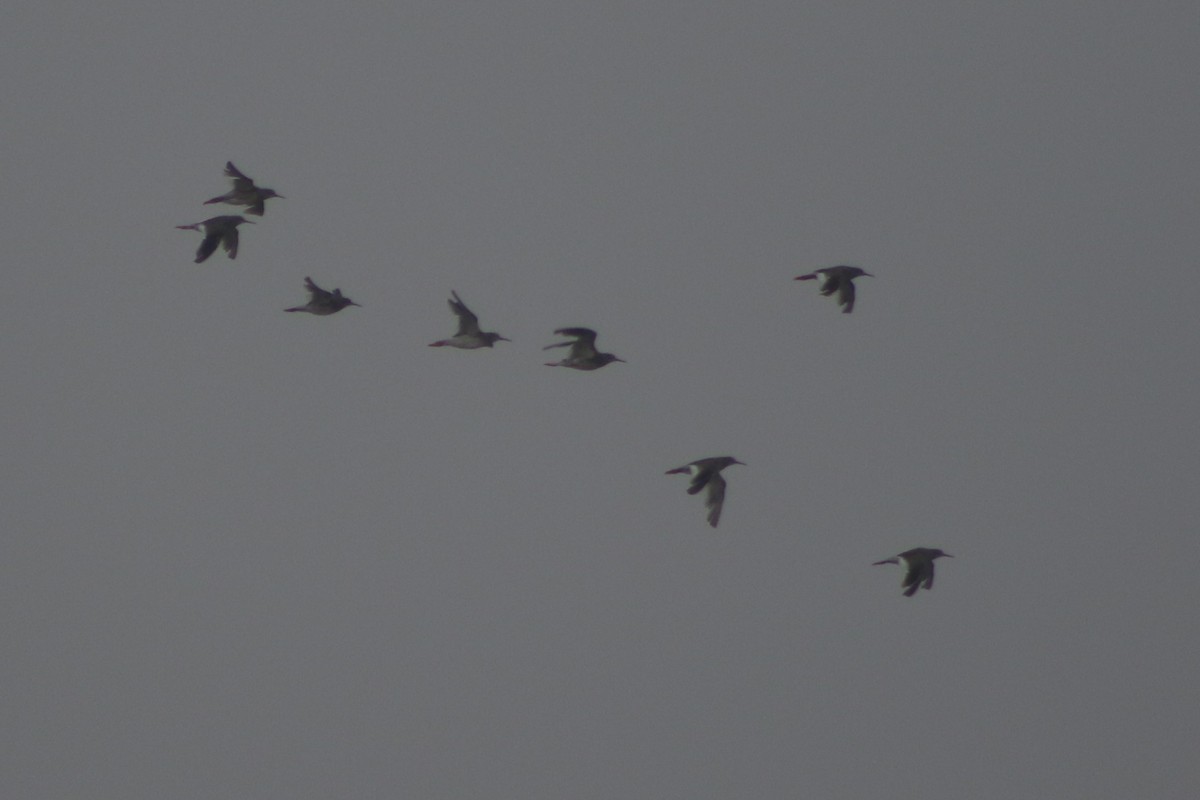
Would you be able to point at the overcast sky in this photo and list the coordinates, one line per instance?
(250, 554)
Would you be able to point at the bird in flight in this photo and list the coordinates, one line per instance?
(838, 279)
(321, 302)
(707, 472)
(583, 354)
(918, 565)
(244, 192)
(217, 231)
(469, 336)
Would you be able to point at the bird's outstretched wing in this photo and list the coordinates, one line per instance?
(846, 295)
(318, 294)
(918, 571)
(715, 499)
(230, 242)
(582, 334)
(468, 323)
(912, 582)
(240, 181)
(928, 572)
(584, 346)
(209, 246)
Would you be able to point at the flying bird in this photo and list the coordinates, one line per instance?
(244, 192)
(469, 336)
(707, 472)
(583, 354)
(918, 564)
(838, 279)
(217, 231)
(321, 302)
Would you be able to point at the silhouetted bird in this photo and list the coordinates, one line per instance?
(918, 564)
(469, 337)
(217, 231)
(244, 192)
(707, 472)
(321, 302)
(583, 354)
(838, 279)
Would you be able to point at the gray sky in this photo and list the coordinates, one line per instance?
(263, 555)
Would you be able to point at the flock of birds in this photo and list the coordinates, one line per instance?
(222, 231)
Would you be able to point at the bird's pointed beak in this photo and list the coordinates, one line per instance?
(869, 275)
(623, 361)
(248, 221)
(503, 339)
(947, 555)
(355, 304)
(743, 463)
